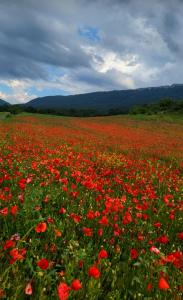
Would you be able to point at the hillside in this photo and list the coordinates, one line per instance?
(103, 101)
(2, 102)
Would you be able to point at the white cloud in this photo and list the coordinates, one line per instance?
(18, 91)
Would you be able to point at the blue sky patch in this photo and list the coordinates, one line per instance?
(5, 88)
(90, 33)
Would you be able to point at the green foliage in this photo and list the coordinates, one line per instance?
(164, 106)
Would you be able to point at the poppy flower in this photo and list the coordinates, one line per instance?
(43, 264)
(58, 233)
(81, 264)
(76, 285)
(180, 236)
(14, 210)
(62, 210)
(102, 254)
(4, 211)
(149, 286)
(163, 239)
(63, 291)
(28, 289)
(90, 215)
(94, 272)
(22, 183)
(133, 254)
(163, 284)
(157, 225)
(104, 221)
(8, 244)
(41, 227)
(154, 250)
(100, 232)
(87, 231)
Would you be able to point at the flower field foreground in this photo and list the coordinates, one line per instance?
(90, 208)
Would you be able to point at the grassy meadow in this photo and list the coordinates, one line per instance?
(91, 208)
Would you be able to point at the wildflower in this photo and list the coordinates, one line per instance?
(127, 218)
(22, 183)
(163, 239)
(17, 254)
(63, 291)
(133, 254)
(102, 254)
(94, 272)
(28, 289)
(43, 264)
(157, 225)
(149, 286)
(75, 217)
(58, 233)
(76, 285)
(81, 264)
(41, 227)
(104, 221)
(90, 215)
(2, 293)
(100, 232)
(4, 211)
(180, 236)
(14, 210)
(87, 231)
(163, 284)
(62, 210)
(8, 244)
(154, 249)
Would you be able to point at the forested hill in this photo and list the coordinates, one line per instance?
(2, 102)
(103, 101)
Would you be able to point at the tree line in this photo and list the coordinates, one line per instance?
(163, 106)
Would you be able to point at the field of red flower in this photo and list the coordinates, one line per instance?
(90, 208)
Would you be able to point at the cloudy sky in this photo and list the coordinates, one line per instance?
(50, 47)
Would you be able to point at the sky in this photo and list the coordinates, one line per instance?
(63, 47)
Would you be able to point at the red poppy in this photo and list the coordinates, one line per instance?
(41, 227)
(75, 217)
(180, 236)
(63, 291)
(81, 264)
(157, 225)
(76, 285)
(22, 183)
(17, 254)
(8, 244)
(28, 289)
(43, 264)
(163, 239)
(104, 221)
(94, 272)
(100, 232)
(163, 284)
(14, 210)
(4, 211)
(102, 254)
(62, 210)
(133, 254)
(154, 250)
(149, 286)
(87, 231)
(90, 215)
(127, 218)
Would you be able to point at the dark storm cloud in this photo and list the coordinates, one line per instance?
(28, 34)
(108, 43)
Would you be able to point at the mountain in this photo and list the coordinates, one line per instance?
(2, 102)
(104, 101)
